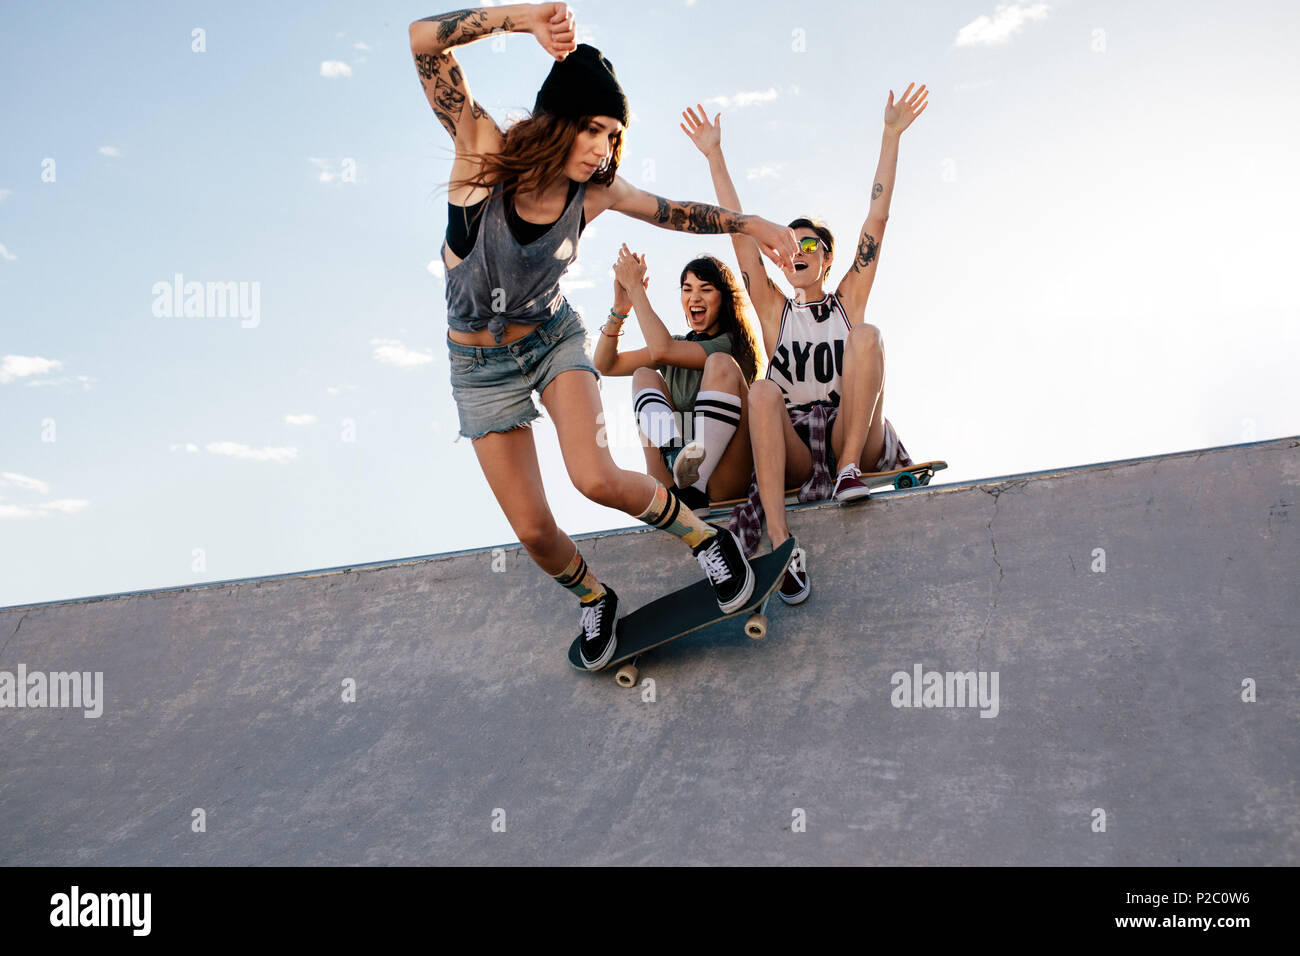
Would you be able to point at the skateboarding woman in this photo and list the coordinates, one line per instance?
(822, 401)
(518, 201)
(689, 390)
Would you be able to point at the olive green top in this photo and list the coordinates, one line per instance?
(684, 383)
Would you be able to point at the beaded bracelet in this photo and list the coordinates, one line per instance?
(615, 315)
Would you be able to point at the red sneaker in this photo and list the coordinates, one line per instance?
(848, 486)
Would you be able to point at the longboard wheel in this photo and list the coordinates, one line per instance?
(905, 480)
(756, 626)
(626, 675)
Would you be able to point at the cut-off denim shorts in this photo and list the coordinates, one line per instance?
(493, 385)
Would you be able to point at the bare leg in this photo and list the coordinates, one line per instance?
(509, 462)
(780, 458)
(574, 404)
(858, 434)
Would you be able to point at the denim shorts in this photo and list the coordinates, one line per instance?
(493, 385)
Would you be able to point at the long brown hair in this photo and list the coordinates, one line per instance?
(734, 316)
(535, 152)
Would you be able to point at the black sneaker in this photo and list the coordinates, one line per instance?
(694, 499)
(795, 586)
(599, 620)
(729, 573)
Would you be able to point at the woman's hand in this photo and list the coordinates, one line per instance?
(552, 24)
(630, 272)
(706, 136)
(898, 117)
(776, 242)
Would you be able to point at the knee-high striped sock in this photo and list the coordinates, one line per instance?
(579, 579)
(656, 418)
(717, 416)
(667, 513)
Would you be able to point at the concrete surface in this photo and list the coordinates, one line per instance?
(1119, 691)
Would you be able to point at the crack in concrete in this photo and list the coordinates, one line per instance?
(996, 491)
(15, 633)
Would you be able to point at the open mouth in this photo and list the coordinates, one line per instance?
(800, 266)
(697, 313)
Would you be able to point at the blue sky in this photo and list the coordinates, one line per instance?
(1085, 260)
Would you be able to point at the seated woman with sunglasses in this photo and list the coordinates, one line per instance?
(689, 390)
(822, 401)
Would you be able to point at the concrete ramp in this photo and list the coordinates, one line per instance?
(1139, 618)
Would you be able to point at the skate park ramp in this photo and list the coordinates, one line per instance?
(1140, 618)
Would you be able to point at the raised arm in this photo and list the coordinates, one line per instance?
(433, 38)
(606, 357)
(767, 298)
(630, 272)
(855, 287)
(777, 242)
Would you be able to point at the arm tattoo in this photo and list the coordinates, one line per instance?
(448, 98)
(427, 64)
(697, 217)
(868, 251)
(876, 190)
(471, 25)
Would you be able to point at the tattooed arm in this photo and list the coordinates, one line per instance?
(777, 242)
(432, 39)
(855, 287)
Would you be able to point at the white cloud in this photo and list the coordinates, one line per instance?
(5, 194)
(436, 269)
(109, 151)
(6, 254)
(83, 380)
(14, 480)
(20, 366)
(300, 419)
(15, 511)
(361, 46)
(393, 352)
(234, 449)
(744, 98)
(1008, 19)
(188, 446)
(334, 69)
(766, 171)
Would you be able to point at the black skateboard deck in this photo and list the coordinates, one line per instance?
(686, 611)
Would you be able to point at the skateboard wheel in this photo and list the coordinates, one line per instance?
(925, 478)
(626, 675)
(904, 480)
(756, 626)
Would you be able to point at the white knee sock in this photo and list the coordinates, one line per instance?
(655, 417)
(717, 416)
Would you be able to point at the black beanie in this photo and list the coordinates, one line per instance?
(582, 84)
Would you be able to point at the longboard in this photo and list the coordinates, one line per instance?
(686, 611)
(908, 477)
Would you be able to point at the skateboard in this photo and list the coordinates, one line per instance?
(686, 611)
(908, 477)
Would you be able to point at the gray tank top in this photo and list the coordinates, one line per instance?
(501, 281)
